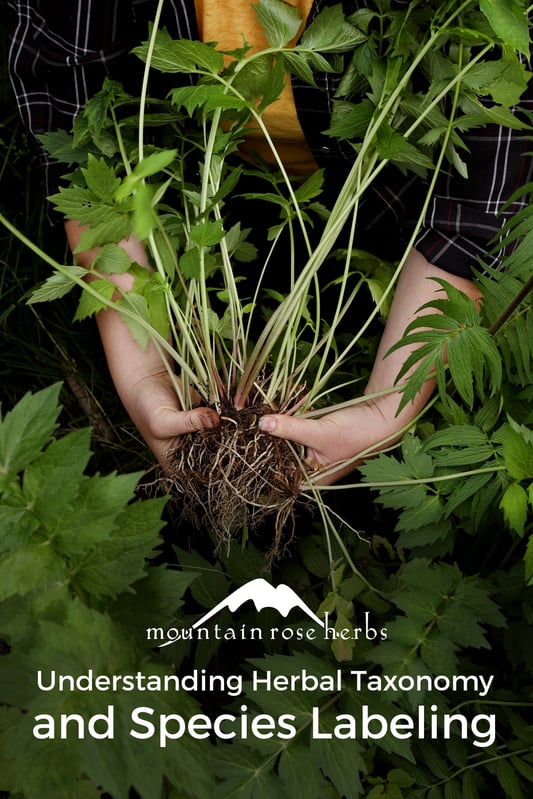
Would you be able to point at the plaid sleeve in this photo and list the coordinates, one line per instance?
(58, 57)
(60, 54)
(465, 215)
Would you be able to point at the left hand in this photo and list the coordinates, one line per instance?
(339, 436)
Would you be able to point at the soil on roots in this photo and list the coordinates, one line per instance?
(233, 477)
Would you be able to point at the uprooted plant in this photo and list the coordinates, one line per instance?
(411, 85)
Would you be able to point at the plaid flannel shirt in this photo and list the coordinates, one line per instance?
(61, 52)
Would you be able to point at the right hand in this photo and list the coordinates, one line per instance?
(154, 408)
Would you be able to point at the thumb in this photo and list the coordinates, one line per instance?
(198, 419)
(171, 422)
(301, 431)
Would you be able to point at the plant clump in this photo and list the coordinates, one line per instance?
(235, 477)
(408, 88)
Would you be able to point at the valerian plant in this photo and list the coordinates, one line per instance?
(451, 583)
(412, 82)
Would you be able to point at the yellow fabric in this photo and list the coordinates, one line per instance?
(226, 22)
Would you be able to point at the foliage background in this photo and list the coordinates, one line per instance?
(444, 567)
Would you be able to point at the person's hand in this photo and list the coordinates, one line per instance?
(154, 408)
(337, 437)
(140, 376)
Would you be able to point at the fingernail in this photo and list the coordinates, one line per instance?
(267, 424)
(207, 420)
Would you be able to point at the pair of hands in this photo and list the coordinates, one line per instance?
(335, 437)
(147, 392)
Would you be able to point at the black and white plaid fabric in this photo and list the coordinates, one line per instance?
(61, 52)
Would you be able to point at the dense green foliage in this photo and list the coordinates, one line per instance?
(443, 559)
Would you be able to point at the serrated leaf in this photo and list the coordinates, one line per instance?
(330, 32)
(45, 768)
(119, 561)
(112, 259)
(206, 234)
(211, 585)
(90, 304)
(155, 598)
(243, 774)
(51, 483)
(518, 452)
(100, 179)
(392, 146)
(27, 428)
(279, 21)
(298, 65)
(57, 285)
(509, 21)
(299, 772)
(342, 762)
(509, 780)
(123, 761)
(31, 568)
(99, 501)
(182, 55)
(61, 146)
(137, 304)
(455, 333)
(514, 505)
(105, 224)
(430, 511)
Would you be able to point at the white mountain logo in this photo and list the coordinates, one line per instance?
(263, 595)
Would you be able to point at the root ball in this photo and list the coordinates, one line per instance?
(234, 476)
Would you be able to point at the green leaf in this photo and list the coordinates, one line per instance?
(112, 259)
(274, 84)
(27, 428)
(349, 121)
(100, 179)
(509, 780)
(154, 600)
(57, 285)
(456, 333)
(123, 761)
(280, 21)
(106, 224)
(119, 561)
(48, 769)
(154, 163)
(528, 561)
(93, 517)
(89, 304)
(138, 305)
(299, 772)
(182, 55)
(60, 145)
(430, 511)
(244, 774)
(392, 146)
(51, 483)
(206, 234)
(211, 585)
(342, 762)
(514, 505)
(206, 97)
(330, 32)
(298, 65)
(518, 451)
(32, 568)
(508, 21)
(505, 80)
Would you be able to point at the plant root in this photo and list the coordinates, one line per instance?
(234, 477)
